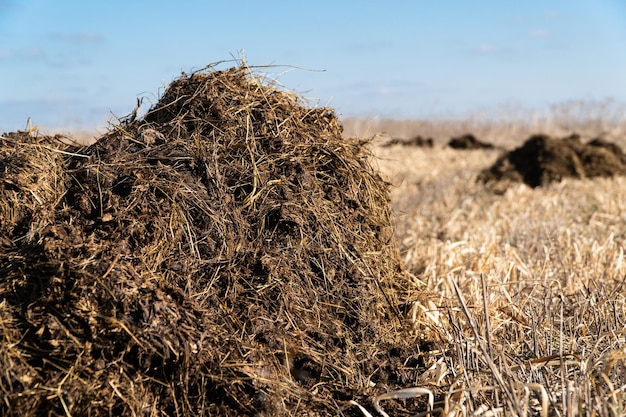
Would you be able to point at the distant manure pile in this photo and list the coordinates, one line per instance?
(417, 141)
(467, 142)
(229, 253)
(543, 159)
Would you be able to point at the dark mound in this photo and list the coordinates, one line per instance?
(468, 141)
(417, 141)
(230, 253)
(542, 159)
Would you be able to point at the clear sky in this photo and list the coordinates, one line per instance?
(76, 63)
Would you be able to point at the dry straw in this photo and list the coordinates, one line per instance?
(527, 287)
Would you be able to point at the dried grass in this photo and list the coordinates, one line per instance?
(529, 297)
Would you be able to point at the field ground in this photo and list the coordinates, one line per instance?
(526, 289)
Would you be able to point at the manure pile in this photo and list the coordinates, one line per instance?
(468, 141)
(543, 159)
(417, 141)
(229, 253)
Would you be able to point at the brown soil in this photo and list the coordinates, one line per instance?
(543, 159)
(468, 141)
(417, 141)
(229, 253)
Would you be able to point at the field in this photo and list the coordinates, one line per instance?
(232, 252)
(526, 288)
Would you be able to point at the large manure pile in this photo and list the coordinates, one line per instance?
(228, 253)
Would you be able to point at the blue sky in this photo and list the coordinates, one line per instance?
(76, 64)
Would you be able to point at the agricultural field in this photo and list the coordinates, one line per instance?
(525, 286)
(234, 252)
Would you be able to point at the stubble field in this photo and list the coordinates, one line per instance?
(526, 287)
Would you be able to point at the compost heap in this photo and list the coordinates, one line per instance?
(228, 253)
(543, 159)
